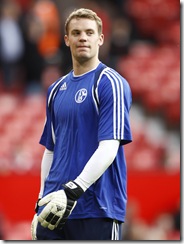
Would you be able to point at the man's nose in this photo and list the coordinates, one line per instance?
(83, 36)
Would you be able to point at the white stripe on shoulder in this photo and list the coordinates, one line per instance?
(96, 90)
(54, 88)
(51, 96)
(118, 108)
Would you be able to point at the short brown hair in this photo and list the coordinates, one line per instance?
(84, 13)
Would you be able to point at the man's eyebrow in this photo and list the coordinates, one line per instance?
(75, 30)
(90, 30)
(84, 30)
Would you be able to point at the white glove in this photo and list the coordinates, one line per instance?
(34, 224)
(53, 212)
(59, 205)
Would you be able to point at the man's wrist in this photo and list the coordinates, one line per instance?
(73, 190)
(37, 206)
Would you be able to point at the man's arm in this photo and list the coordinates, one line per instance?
(45, 168)
(98, 163)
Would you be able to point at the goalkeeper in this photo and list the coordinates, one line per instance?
(83, 172)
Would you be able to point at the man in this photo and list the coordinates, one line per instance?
(83, 174)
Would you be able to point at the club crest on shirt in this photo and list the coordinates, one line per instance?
(81, 95)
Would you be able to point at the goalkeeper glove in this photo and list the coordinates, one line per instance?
(34, 222)
(59, 205)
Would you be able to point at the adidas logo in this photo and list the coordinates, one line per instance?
(63, 87)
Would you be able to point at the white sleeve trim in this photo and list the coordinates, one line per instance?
(45, 168)
(98, 163)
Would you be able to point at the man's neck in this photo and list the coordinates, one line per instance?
(81, 68)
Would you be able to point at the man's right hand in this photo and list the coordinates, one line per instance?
(34, 227)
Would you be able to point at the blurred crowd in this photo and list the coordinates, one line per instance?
(33, 53)
(142, 42)
(32, 50)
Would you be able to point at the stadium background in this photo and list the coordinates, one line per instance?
(142, 41)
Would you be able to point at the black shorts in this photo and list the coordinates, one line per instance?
(83, 229)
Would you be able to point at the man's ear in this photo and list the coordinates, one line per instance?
(66, 40)
(101, 40)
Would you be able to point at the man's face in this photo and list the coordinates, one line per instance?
(83, 39)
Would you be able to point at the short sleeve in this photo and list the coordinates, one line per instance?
(115, 101)
(47, 134)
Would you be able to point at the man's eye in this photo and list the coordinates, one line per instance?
(75, 33)
(89, 33)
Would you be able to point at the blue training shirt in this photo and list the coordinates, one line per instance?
(76, 121)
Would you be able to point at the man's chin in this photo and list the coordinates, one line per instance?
(83, 58)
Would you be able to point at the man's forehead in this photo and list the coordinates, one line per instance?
(82, 23)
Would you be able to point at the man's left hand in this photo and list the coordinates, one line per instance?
(53, 212)
(59, 205)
